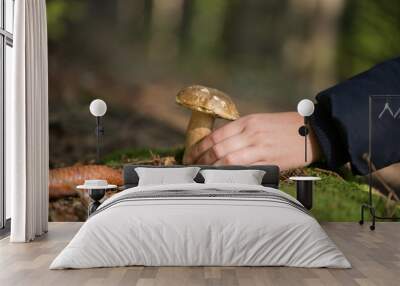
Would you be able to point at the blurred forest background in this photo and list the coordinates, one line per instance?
(137, 54)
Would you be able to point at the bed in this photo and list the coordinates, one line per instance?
(201, 224)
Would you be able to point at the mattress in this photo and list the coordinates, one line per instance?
(201, 225)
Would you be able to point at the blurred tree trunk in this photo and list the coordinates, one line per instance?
(312, 55)
(165, 19)
(102, 11)
(133, 22)
(324, 43)
(207, 21)
(369, 35)
(128, 11)
(252, 30)
(185, 27)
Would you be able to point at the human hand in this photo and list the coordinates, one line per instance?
(257, 139)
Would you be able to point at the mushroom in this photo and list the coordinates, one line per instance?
(206, 104)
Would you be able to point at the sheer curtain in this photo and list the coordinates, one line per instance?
(27, 124)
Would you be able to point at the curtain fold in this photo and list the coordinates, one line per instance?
(27, 123)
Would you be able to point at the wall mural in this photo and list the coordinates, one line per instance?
(264, 56)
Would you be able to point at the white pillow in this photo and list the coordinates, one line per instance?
(248, 177)
(165, 176)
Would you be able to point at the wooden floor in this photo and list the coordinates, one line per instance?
(375, 257)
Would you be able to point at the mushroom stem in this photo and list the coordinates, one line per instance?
(200, 125)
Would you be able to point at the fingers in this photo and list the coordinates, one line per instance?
(269, 162)
(219, 135)
(260, 163)
(245, 156)
(223, 148)
(283, 164)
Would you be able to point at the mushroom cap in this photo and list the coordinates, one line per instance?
(208, 100)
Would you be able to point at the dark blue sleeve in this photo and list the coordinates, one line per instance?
(340, 121)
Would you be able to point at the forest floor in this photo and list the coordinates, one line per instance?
(337, 197)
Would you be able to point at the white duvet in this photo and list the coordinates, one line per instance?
(200, 231)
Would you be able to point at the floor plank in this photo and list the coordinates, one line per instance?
(375, 257)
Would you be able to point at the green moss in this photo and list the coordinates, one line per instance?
(335, 198)
(140, 155)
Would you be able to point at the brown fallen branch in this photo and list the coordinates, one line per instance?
(391, 193)
(63, 181)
